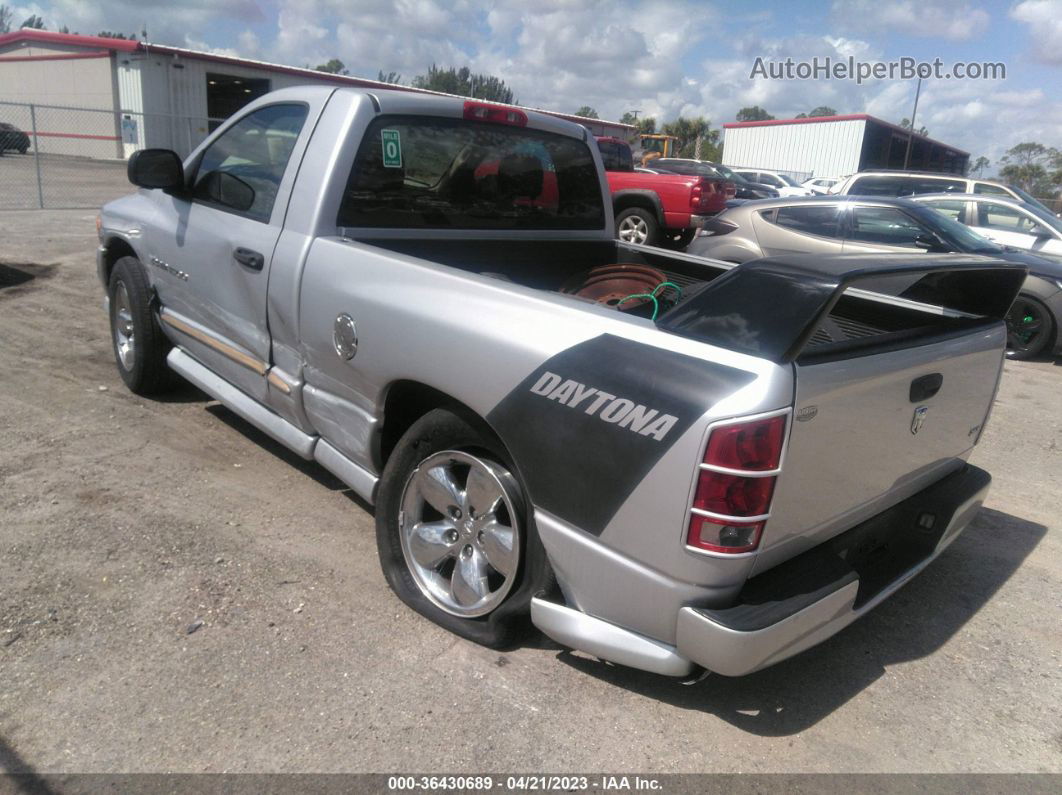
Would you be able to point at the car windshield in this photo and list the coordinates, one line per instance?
(960, 237)
(788, 180)
(1030, 199)
(1045, 217)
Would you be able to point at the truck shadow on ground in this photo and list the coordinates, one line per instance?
(915, 622)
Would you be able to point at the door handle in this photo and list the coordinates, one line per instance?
(924, 387)
(249, 259)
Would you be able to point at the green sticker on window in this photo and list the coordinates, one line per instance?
(392, 148)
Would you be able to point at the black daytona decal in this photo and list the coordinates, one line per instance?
(588, 425)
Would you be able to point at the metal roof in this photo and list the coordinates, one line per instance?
(30, 35)
(844, 117)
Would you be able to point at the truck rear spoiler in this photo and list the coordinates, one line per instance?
(772, 307)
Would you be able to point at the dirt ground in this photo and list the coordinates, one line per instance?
(126, 522)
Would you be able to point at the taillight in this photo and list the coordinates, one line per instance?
(479, 111)
(696, 197)
(735, 483)
(730, 189)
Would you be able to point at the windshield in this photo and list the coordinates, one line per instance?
(788, 180)
(960, 237)
(1030, 199)
(421, 172)
(1045, 217)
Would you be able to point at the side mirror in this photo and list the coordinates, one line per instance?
(225, 189)
(931, 242)
(156, 168)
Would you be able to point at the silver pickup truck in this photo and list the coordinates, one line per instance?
(667, 462)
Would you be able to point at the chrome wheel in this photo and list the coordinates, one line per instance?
(124, 339)
(460, 532)
(633, 229)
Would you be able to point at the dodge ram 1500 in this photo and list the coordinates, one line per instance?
(670, 463)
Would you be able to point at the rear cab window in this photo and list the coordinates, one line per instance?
(419, 172)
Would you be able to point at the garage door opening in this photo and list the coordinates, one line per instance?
(226, 94)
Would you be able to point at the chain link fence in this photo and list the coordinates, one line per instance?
(56, 157)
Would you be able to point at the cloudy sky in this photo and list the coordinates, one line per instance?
(662, 57)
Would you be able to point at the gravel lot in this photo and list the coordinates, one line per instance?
(125, 522)
(64, 182)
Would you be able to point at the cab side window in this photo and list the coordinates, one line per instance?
(241, 171)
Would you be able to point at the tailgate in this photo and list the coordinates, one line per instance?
(871, 431)
(895, 361)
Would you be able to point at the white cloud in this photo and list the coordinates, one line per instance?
(1044, 18)
(925, 18)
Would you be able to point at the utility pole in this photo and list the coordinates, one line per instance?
(910, 133)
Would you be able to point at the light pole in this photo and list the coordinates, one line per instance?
(910, 133)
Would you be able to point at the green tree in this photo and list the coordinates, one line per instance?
(107, 34)
(464, 83)
(5, 19)
(979, 165)
(646, 126)
(34, 22)
(630, 117)
(394, 78)
(687, 131)
(754, 113)
(587, 112)
(333, 67)
(906, 124)
(1033, 167)
(821, 111)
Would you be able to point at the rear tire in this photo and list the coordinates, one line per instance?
(139, 345)
(638, 225)
(437, 548)
(1030, 328)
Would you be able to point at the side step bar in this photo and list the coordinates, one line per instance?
(360, 480)
(607, 641)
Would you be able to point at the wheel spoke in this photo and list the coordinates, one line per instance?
(439, 489)
(429, 545)
(469, 581)
(482, 493)
(498, 547)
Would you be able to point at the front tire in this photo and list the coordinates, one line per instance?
(139, 345)
(638, 225)
(1030, 328)
(454, 534)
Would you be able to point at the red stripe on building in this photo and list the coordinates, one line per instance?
(76, 135)
(65, 56)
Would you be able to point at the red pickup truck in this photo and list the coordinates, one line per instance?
(659, 209)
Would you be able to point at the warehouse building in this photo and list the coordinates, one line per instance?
(834, 146)
(146, 95)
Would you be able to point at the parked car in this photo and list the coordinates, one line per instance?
(820, 185)
(783, 183)
(12, 138)
(743, 187)
(1005, 221)
(614, 443)
(860, 224)
(655, 207)
(909, 183)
